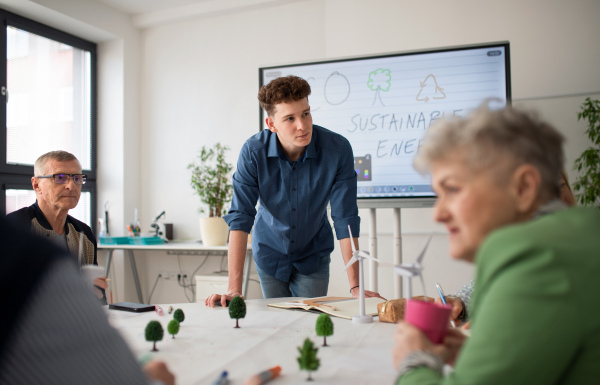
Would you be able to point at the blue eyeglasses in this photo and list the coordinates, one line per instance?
(64, 178)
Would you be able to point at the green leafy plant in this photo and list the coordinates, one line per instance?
(179, 315)
(173, 327)
(237, 309)
(210, 179)
(308, 358)
(588, 164)
(324, 327)
(154, 332)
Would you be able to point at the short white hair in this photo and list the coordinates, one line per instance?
(39, 168)
(486, 137)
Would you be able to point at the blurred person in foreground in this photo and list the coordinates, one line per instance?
(52, 331)
(461, 300)
(496, 175)
(57, 183)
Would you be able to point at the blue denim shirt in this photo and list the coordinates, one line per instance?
(291, 228)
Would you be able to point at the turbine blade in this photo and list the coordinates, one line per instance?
(350, 262)
(420, 257)
(401, 270)
(351, 238)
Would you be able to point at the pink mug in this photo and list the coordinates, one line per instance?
(431, 318)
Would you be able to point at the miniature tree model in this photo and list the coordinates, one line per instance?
(178, 315)
(173, 327)
(237, 309)
(154, 332)
(324, 327)
(308, 358)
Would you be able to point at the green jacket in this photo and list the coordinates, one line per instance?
(536, 306)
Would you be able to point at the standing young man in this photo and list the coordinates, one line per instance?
(293, 170)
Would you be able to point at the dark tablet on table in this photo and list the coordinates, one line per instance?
(131, 306)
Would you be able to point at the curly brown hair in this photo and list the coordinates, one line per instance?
(282, 90)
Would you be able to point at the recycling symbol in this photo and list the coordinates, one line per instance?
(437, 91)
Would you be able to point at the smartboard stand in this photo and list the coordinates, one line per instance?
(397, 250)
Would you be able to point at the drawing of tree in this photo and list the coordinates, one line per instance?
(379, 80)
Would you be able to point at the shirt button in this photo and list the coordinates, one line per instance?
(293, 227)
(293, 189)
(293, 241)
(293, 209)
(294, 168)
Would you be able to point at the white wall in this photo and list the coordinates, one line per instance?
(199, 79)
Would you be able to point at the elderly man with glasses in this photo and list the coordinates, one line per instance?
(57, 183)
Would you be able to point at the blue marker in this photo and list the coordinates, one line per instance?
(222, 380)
(443, 298)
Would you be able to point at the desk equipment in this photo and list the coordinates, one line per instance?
(443, 298)
(131, 306)
(264, 377)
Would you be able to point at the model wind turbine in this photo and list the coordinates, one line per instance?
(360, 256)
(410, 270)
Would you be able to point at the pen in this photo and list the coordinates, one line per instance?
(222, 380)
(264, 377)
(443, 297)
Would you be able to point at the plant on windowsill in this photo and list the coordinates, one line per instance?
(211, 181)
(588, 164)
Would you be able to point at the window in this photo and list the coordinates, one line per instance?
(48, 103)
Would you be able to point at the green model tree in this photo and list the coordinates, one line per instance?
(179, 316)
(324, 327)
(308, 358)
(173, 327)
(237, 309)
(154, 332)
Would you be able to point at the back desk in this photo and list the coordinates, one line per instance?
(173, 247)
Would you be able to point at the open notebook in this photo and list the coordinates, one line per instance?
(343, 307)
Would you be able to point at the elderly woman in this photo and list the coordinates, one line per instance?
(496, 175)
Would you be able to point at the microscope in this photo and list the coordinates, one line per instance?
(162, 230)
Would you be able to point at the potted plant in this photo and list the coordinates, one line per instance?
(588, 164)
(210, 180)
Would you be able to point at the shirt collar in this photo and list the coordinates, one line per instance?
(549, 208)
(275, 151)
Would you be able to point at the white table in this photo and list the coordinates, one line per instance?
(207, 344)
(173, 247)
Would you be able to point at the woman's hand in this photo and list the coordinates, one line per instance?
(409, 339)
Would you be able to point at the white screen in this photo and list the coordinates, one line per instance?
(384, 105)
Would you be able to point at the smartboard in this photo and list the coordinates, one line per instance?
(384, 104)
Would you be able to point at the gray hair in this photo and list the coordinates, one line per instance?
(486, 137)
(39, 168)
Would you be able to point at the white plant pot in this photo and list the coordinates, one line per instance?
(214, 231)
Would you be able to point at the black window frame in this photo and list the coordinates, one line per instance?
(19, 176)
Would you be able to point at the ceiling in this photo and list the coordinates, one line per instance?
(147, 13)
(136, 7)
